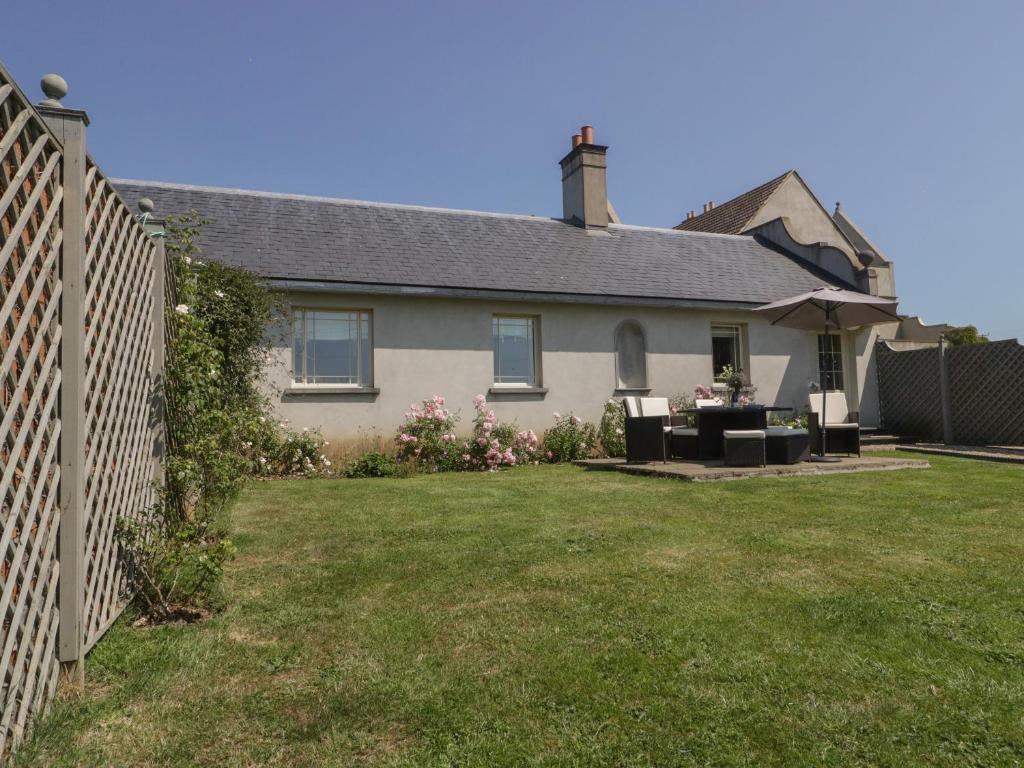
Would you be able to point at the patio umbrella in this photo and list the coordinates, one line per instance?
(829, 308)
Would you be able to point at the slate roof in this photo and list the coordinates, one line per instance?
(731, 217)
(292, 237)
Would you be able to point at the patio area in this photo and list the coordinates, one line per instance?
(715, 470)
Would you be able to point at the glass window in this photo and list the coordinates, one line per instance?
(830, 362)
(332, 347)
(515, 353)
(630, 356)
(725, 349)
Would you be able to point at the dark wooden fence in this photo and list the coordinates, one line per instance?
(969, 395)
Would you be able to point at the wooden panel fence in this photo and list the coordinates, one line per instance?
(82, 289)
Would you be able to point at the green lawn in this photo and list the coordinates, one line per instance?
(552, 616)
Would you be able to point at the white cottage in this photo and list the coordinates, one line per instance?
(391, 304)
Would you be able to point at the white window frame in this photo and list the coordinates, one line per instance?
(497, 317)
(365, 379)
(836, 354)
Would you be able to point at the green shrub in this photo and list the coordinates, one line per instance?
(176, 572)
(612, 430)
(300, 453)
(681, 403)
(218, 345)
(217, 425)
(571, 439)
(372, 464)
(968, 334)
(797, 419)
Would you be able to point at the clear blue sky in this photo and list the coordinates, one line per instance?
(910, 113)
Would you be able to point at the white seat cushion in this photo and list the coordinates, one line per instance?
(701, 403)
(838, 412)
(830, 425)
(654, 406)
(684, 431)
(747, 433)
(784, 431)
(632, 409)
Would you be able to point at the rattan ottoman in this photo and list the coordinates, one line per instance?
(744, 447)
(785, 445)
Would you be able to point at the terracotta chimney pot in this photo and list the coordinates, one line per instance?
(588, 134)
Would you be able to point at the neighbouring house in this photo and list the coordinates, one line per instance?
(391, 304)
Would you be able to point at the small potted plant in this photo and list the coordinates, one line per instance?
(734, 380)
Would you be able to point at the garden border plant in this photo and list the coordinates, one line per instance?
(219, 428)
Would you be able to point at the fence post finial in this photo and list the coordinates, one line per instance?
(55, 88)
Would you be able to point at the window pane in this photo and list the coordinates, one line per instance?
(332, 347)
(830, 362)
(365, 363)
(298, 368)
(513, 350)
(725, 349)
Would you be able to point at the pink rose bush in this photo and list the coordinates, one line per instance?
(497, 445)
(427, 437)
(704, 393)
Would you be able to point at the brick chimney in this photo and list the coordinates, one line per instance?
(584, 184)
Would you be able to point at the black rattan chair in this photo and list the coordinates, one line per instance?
(651, 430)
(843, 431)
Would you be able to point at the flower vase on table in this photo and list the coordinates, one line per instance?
(733, 378)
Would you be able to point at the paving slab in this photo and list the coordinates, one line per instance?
(698, 472)
(1011, 454)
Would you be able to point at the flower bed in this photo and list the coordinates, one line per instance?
(427, 439)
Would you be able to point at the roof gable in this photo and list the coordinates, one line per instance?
(732, 217)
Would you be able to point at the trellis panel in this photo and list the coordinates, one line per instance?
(119, 341)
(31, 197)
(987, 393)
(80, 320)
(909, 391)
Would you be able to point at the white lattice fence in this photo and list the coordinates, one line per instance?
(119, 264)
(31, 196)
